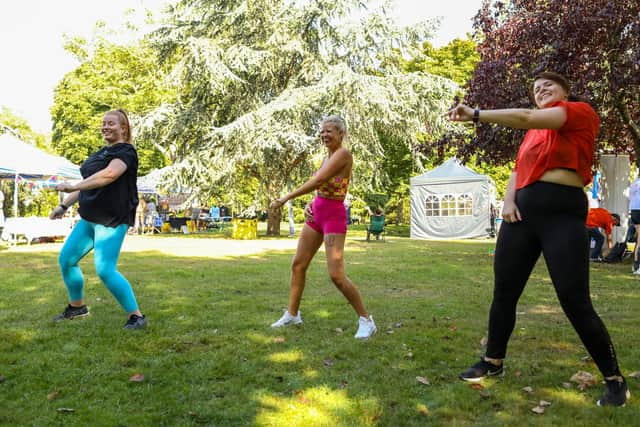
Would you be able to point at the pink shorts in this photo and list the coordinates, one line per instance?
(329, 216)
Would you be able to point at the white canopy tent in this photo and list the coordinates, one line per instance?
(21, 160)
(451, 202)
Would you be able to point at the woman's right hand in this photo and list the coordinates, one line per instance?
(57, 213)
(510, 211)
(308, 213)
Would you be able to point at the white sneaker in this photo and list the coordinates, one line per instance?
(366, 328)
(287, 319)
(637, 271)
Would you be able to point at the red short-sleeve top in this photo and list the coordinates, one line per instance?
(570, 147)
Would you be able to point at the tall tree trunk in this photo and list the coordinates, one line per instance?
(274, 217)
(634, 129)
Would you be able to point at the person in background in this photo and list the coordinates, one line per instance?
(326, 222)
(600, 218)
(545, 209)
(634, 208)
(107, 196)
(1, 209)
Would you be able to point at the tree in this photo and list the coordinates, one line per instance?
(594, 43)
(109, 76)
(19, 127)
(256, 77)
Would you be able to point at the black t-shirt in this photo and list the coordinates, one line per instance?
(116, 203)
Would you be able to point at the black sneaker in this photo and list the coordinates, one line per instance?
(136, 322)
(71, 312)
(616, 393)
(481, 370)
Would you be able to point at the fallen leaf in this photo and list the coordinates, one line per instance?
(528, 390)
(343, 384)
(328, 362)
(67, 410)
(517, 374)
(483, 341)
(391, 331)
(635, 374)
(339, 331)
(476, 386)
(567, 385)
(583, 379)
(447, 318)
(586, 359)
(278, 340)
(399, 324)
(409, 355)
(137, 378)
(538, 410)
(51, 396)
(423, 380)
(423, 410)
(453, 328)
(544, 403)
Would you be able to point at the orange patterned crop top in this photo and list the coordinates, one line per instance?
(335, 188)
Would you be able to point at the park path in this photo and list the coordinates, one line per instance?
(187, 247)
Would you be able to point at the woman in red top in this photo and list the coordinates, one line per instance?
(544, 211)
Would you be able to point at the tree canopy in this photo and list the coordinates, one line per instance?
(255, 78)
(594, 43)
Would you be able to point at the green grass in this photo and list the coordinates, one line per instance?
(210, 358)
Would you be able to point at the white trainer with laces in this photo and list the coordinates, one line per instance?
(287, 319)
(366, 328)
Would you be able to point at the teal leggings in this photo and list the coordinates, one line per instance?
(106, 243)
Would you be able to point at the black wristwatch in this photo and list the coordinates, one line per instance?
(63, 206)
(476, 116)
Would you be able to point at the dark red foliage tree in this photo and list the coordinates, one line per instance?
(594, 43)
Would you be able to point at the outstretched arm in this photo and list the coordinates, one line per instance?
(330, 168)
(519, 118)
(104, 177)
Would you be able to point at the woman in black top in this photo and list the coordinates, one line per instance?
(107, 197)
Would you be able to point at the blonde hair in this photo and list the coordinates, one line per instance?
(124, 119)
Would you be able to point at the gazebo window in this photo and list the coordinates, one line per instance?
(465, 204)
(448, 205)
(432, 206)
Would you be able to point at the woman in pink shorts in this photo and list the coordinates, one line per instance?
(326, 222)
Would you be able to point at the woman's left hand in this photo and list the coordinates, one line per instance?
(65, 187)
(461, 113)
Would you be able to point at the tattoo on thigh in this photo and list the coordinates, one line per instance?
(329, 240)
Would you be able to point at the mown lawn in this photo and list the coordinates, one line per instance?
(209, 356)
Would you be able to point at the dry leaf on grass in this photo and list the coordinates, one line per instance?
(137, 378)
(476, 386)
(399, 324)
(544, 403)
(635, 374)
(339, 331)
(328, 362)
(423, 410)
(583, 379)
(391, 331)
(67, 410)
(527, 390)
(423, 380)
(538, 410)
(54, 394)
(343, 384)
(567, 385)
(278, 340)
(483, 341)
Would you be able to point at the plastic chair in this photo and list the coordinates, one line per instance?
(376, 227)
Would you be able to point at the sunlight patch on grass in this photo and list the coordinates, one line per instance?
(260, 339)
(569, 397)
(286, 356)
(545, 309)
(310, 373)
(316, 406)
(324, 314)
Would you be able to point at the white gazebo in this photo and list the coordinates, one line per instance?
(451, 202)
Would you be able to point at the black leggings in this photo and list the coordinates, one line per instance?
(553, 223)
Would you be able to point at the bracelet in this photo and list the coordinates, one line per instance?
(63, 206)
(476, 116)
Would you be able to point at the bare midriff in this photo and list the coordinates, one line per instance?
(563, 177)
